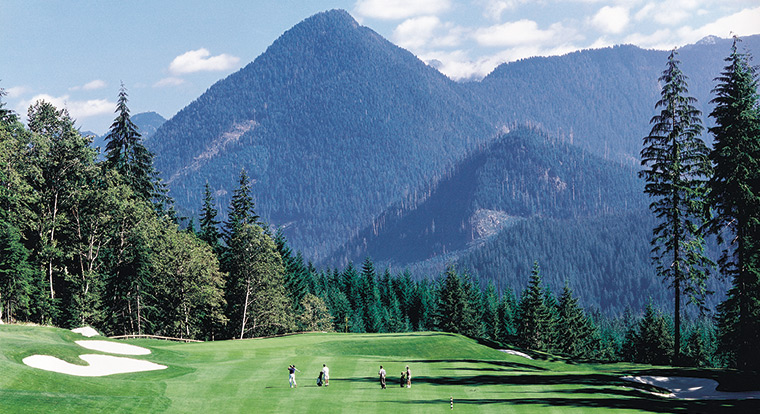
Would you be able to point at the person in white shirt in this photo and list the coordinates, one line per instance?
(382, 377)
(326, 375)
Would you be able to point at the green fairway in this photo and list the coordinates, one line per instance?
(251, 376)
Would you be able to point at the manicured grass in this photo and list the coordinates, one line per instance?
(251, 376)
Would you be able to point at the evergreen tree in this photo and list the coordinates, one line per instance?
(471, 325)
(209, 231)
(676, 168)
(533, 316)
(370, 295)
(574, 332)
(241, 210)
(351, 286)
(339, 306)
(735, 198)
(490, 306)
(296, 273)
(506, 329)
(452, 303)
(405, 290)
(126, 154)
(426, 305)
(654, 341)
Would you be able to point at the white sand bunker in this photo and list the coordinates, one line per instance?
(99, 365)
(86, 331)
(114, 347)
(517, 353)
(693, 388)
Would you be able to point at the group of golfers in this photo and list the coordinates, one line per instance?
(406, 377)
(324, 377)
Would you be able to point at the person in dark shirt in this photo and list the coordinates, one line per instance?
(292, 376)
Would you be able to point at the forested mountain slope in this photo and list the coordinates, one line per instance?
(527, 197)
(523, 174)
(341, 130)
(601, 99)
(333, 123)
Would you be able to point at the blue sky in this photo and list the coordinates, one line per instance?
(167, 53)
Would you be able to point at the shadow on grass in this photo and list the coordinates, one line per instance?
(660, 405)
(505, 364)
(601, 392)
(522, 379)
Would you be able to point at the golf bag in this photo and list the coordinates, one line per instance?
(319, 379)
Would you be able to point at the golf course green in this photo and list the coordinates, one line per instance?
(250, 376)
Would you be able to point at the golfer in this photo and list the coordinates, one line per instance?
(292, 371)
(408, 377)
(382, 377)
(326, 374)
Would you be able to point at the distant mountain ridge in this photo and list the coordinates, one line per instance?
(356, 147)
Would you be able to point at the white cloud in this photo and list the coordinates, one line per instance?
(611, 19)
(90, 86)
(601, 43)
(662, 39)
(669, 12)
(77, 109)
(515, 33)
(457, 65)
(416, 32)
(96, 84)
(743, 23)
(170, 81)
(399, 9)
(426, 32)
(16, 91)
(493, 9)
(201, 60)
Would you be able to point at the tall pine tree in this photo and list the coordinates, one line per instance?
(241, 210)
(735, 198)
(126, 154)
(209, 231)
(533, 316)
(676, 169)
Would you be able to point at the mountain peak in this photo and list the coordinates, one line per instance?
(333, 17)
(325, 23)
(708, 40)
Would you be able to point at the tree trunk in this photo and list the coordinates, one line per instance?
(245, 307)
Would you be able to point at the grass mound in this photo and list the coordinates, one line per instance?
(251, 375)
